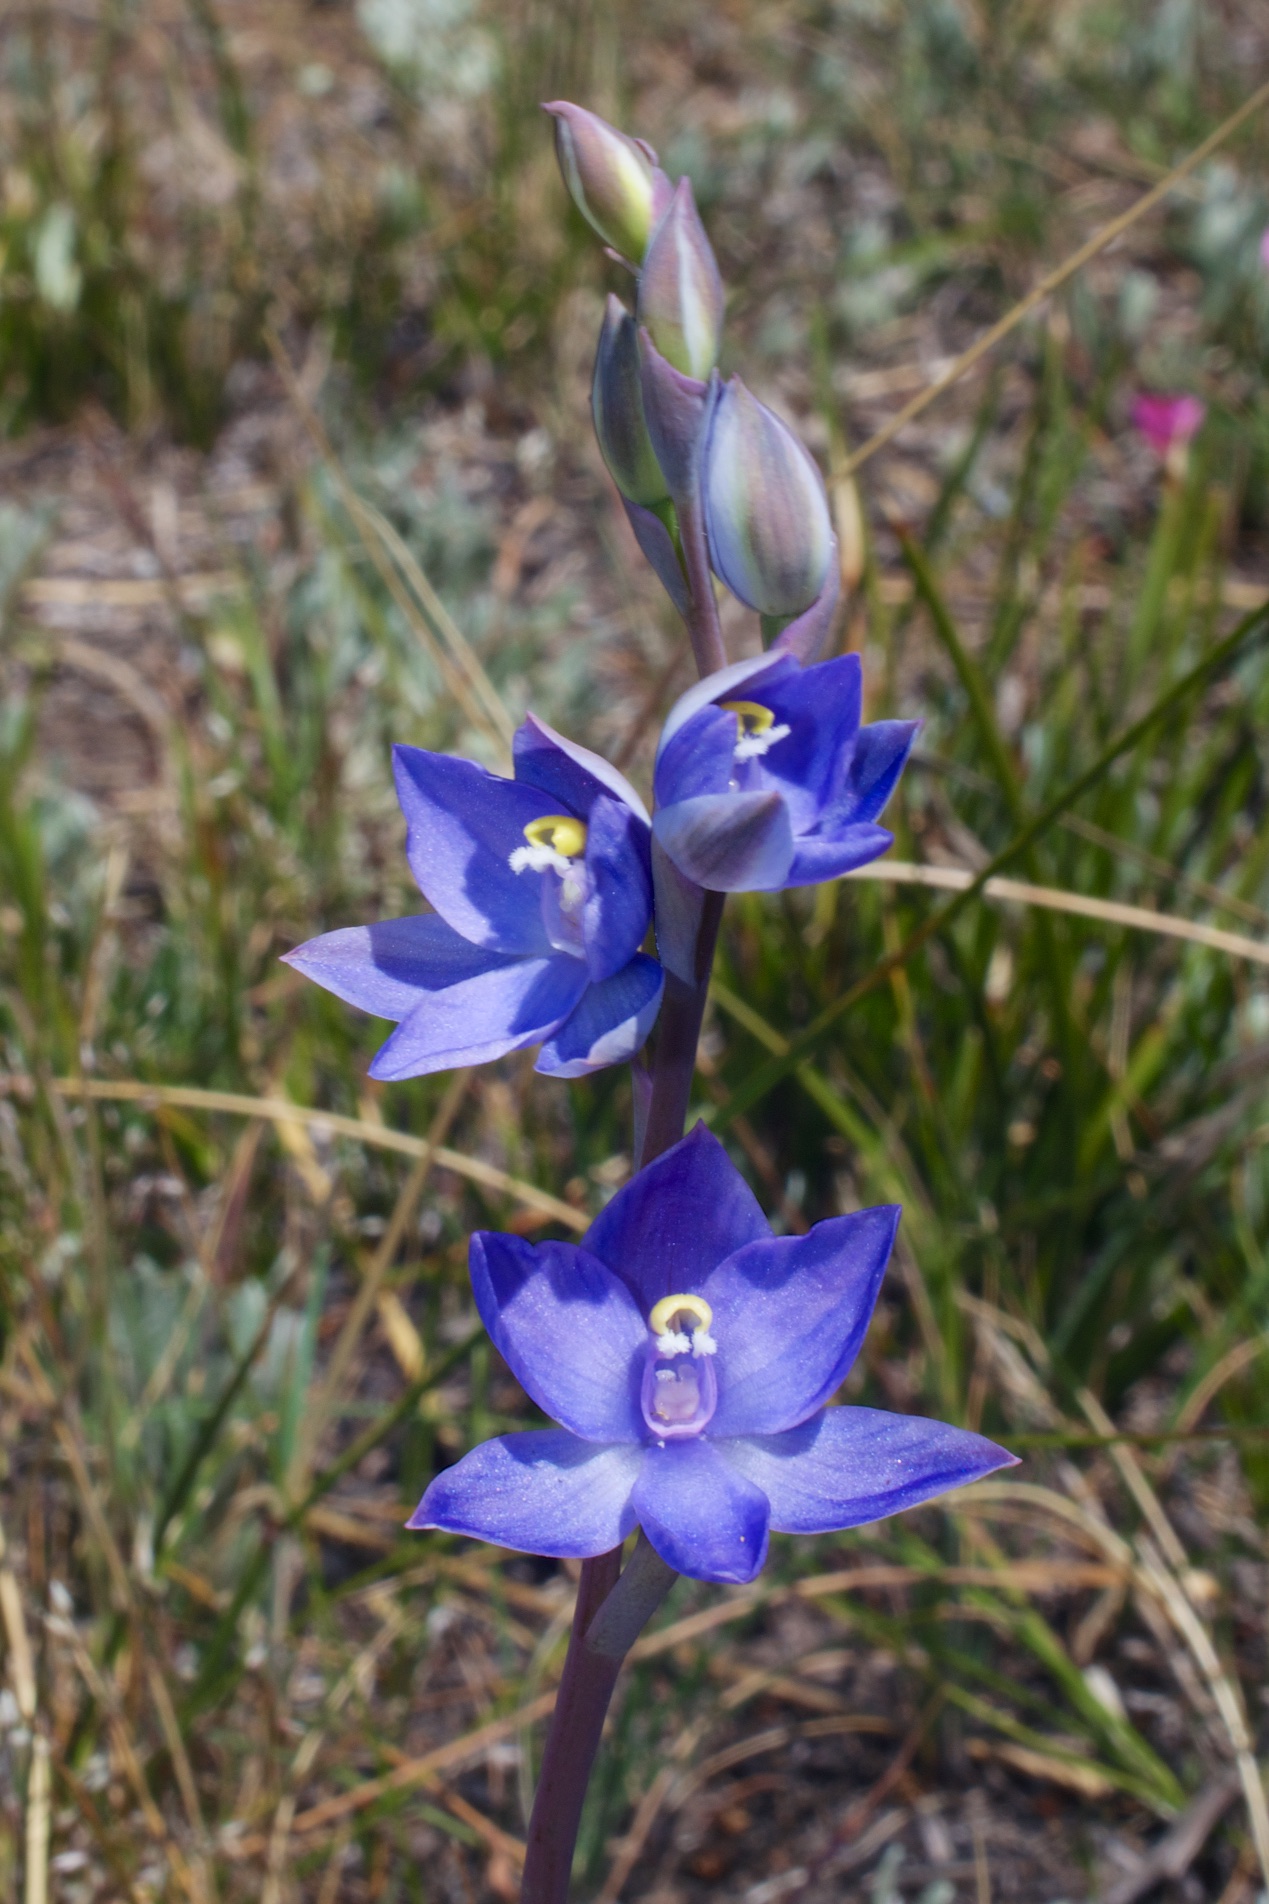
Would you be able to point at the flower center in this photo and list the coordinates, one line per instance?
(680, 1389)
(554, 842)
(756, 728)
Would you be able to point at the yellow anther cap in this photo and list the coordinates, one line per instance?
(753, 717)
(670, 1307)
(559, 832)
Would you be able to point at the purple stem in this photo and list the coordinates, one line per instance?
(571, 1743)
(674, 1067)
(702, 618)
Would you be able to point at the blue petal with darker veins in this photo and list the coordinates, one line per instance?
(568, 1330)
(618, 910)
(821, 707)
(572, 775)
(669, 1227)
(873, 769)
(702, 1514)
(384, 967)
(729, 842)
(790, 1315)
(610, 1023)
(819, 857)
(541, 1492)
(518, 1002)
(463, 824)
(698, 758)
(853, 1465)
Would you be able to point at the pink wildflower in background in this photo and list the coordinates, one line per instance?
(1167, 423)
(1264, 248)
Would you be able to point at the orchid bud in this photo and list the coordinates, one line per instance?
(616, 399)
(766, 513)
(680, 290)
(610, 177)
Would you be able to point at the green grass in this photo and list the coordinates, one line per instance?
(1073, 1114)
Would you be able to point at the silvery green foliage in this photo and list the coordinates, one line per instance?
(437, 46)
(58, 277)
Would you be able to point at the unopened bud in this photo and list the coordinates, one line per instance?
(766, 513)
(616, 398)
(680, 290)
(611, 177)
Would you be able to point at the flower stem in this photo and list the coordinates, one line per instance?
(680, 1027)
(571, 1743)
(703, 625)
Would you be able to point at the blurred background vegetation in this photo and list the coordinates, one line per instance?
(295, 333)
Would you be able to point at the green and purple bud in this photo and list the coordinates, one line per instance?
(766, 513)
(616, 398)
(680, 290)
(613, 179)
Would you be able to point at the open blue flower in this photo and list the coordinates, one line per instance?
(542, 891)
(765, 778)
(689, 1355)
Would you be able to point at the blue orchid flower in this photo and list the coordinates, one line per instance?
(542, 890)
(689, 1355)
(765, 778)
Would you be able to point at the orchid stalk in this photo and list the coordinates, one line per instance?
(686, 1356)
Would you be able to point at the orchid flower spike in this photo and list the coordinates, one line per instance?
(765, 778)
(690, 1357)
(542, 892)
(612, 179)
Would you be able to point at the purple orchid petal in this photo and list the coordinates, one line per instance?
(852, 1465)
(658, 548)
(678, 911)
(618, 910)
(519, 1002)
(698, 757)
(790, 1314)
(463, 825)
(701, 1513)
(572, 776)
(384, 967)
(796, 735)
(729, 842)
(609, 1025)
(542, 1492)
(816, 859)
(567, 1328)
(820, 707)
(671, 1224)
(872, 772)
(724, 685)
